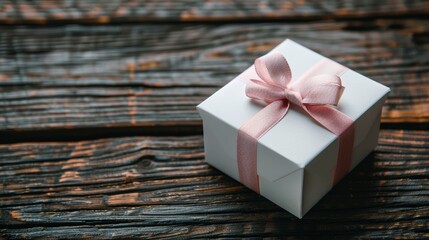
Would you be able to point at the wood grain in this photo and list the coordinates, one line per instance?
(75, 77)
(155, 187)
(67, 72)
(102, 12)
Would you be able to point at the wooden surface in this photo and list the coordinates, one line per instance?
(100, 137)
(119, 76)
(161, 187)
(101, 11)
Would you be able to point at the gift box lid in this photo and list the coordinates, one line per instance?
(296, 140)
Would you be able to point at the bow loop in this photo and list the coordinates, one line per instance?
(323, 89)
(274, 69)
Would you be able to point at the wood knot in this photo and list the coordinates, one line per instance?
(144, 164)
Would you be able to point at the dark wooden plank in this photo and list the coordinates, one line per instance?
(98, 11)
(74, 77)
(155, 187)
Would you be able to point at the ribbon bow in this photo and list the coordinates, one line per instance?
(315, 93)
(273, 69)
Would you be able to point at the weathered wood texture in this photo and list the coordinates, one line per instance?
(160, 187)
(101, 11)
(147, 73)
(154, 75)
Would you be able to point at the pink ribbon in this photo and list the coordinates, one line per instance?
(314, 93)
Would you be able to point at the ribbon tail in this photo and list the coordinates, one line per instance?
(247, 139)
(342, 126)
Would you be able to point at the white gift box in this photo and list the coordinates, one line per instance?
(296, 158)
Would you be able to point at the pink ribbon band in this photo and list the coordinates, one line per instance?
(315, 94)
